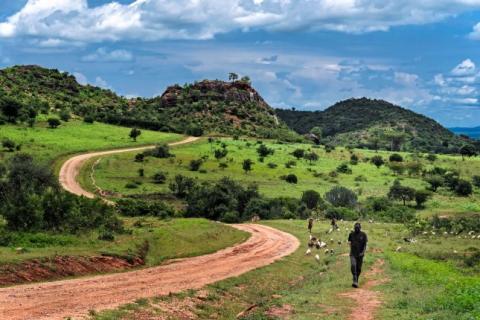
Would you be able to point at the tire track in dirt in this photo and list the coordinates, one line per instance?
(367, 300)
(75, 297)
(71, 168)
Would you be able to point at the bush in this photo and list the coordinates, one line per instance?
(354, 159)
(161, 151)
(476, 181)
(341, 197)
(106, 235)
(264, 151)
(378, 204)
(65, 115)
(8, 144)
(435, 181)
(131, 185)
(272, 165)
(195, 164)
(194, 130)
(291, 178)
(159, 178)
(290, 164)
(341, 213)
(247, 165)
(89, 119)
(421, 196)
(395, 157)
(463, 188)
(311, 199)
(220, 153)
(181, 186)
(134, 133)
(223, 165)
(344, 168)
(431, 157)
(139, 157)
(53, 122)
(135, 208)
(377, 161)
(298, 153)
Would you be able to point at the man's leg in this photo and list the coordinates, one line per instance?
(359, 266)
(353, 268)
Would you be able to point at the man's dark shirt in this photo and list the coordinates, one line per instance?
(358, 242)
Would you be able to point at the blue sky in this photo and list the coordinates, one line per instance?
(307, 54)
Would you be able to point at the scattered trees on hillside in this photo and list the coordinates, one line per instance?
(403, 193)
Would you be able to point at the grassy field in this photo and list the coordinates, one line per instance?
(418, 287)
(114, 172)
(176, 238)
(75, 136)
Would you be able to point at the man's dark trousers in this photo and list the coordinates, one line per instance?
(356, 267)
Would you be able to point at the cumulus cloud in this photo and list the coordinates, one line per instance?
(103, 55)
(465, 68)
(75, 20)
(406, 79)
(81, 78)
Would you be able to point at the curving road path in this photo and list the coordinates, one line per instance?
(71, 168)
(75, 297)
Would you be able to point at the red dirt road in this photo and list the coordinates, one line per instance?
(74, 298)
(71, 168)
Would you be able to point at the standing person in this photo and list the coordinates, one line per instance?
(358, 245)
(310, 225)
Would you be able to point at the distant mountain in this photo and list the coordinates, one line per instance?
(471, 132)
(374, 124)
(216, 106)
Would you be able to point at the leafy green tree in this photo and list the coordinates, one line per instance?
(195, 164)
(464, 188)
(421, 196)
(264, 151)
(435, 181)
(53, 122)
(395, 157)
(181, 186)
(194, 130)
(161, 151)
(298, 153)
(65, 115)
(399, 192)
(134, 134)
(476, 181)
(340, 196)
(467, 150)
(291, 178)
(232, 76)
(247, 165)
(11, 108)
(220, 153)
(311, 157)
(311, 198)
(397, 167)
(317, 131)
(377, 161)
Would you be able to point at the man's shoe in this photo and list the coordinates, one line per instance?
(355, 285)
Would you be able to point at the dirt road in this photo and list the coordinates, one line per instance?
(60, 299)
(71, 168)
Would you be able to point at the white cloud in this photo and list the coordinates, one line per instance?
(193, 19)
(100, 82)
(465, 68)
(81, 78)
(406, 79)
(103, 55)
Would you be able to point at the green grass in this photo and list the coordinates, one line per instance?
(114, 172)
(176, 238)
(75, 136)
(418, 286)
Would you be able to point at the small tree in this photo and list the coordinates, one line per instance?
(247, 165)
(53, 122)
(89, 119)
(311, 157)
(195, 164)
(181, 186)
(395, 157)
(159, 177)
(399, 192)
(341, 197)
(435, 181)
(476, 181)
(264, 151)
(291, 178)
(232, 76)
(139, 157)
(354, 159)
(377, 161)
(65, 115)
(463, 188)
(220, 153)
(421, 196)
(9, 144)
(311, 198)
(134, 133)
(467, 150)
(298, 153)
(397, 167)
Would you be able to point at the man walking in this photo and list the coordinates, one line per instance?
(358, 244)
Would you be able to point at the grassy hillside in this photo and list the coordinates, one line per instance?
(209, 106)
(116, 173)
(374, 124)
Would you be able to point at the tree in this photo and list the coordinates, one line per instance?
(421, 196)
(247, 165)
(435, 181)
(354, 159)
(194, 130)
(291, 178)
(53, 122)
(232, 76)
(476, 181)
(139, 157)
(298, 153)
(317, 131)
(341, 197)
(464, 188)
(9, 144)
(264, 151)
(89, 119)
(134, 133)
(195, 164)
(377, 161)
(414, 167)
(311, 198)
(399, 192)
(161, 151)
(11, 108)
(220, 153)
(467, 150)
(65, 115)
(395, 157)
(246, 80)
(181, 186)
(311, 157)
(159, 177)
(397, 167)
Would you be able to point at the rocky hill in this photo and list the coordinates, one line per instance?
(374, 124)
(214, 106)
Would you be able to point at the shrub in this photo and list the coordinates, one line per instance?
(395, 157)
(463, 188)
(106, 235)
(247, 165)
(65, 115)
(53, 122)
(341, 213)
(311, 198)
(397, 167)
(264, 151)
(194, 130)
(8, 144)
(298, 153)
(344, 168)
(131, 185)
(421, 196)
(354, 159)
(476, 181)
(291, 178)
(223, 165)
(141, 172)
(161, 151)
(341, 197)
(135, 208)
(134, 133)
(290, 164)
(139, 157)
(431, 157)
(220, 153)
(311, 157)
(195, 164)
(89, 119)
(378, 204)
(435, 181)
(377, 161)
(272, 165)
(159, 178)
(181, 186)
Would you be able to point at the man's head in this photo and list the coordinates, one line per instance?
(357, 227)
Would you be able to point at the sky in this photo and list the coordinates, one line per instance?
(423, 55)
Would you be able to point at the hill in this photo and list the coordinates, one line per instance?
(473, 133)
(214, 106)
(374, 124)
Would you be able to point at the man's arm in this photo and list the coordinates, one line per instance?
(365, 246)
